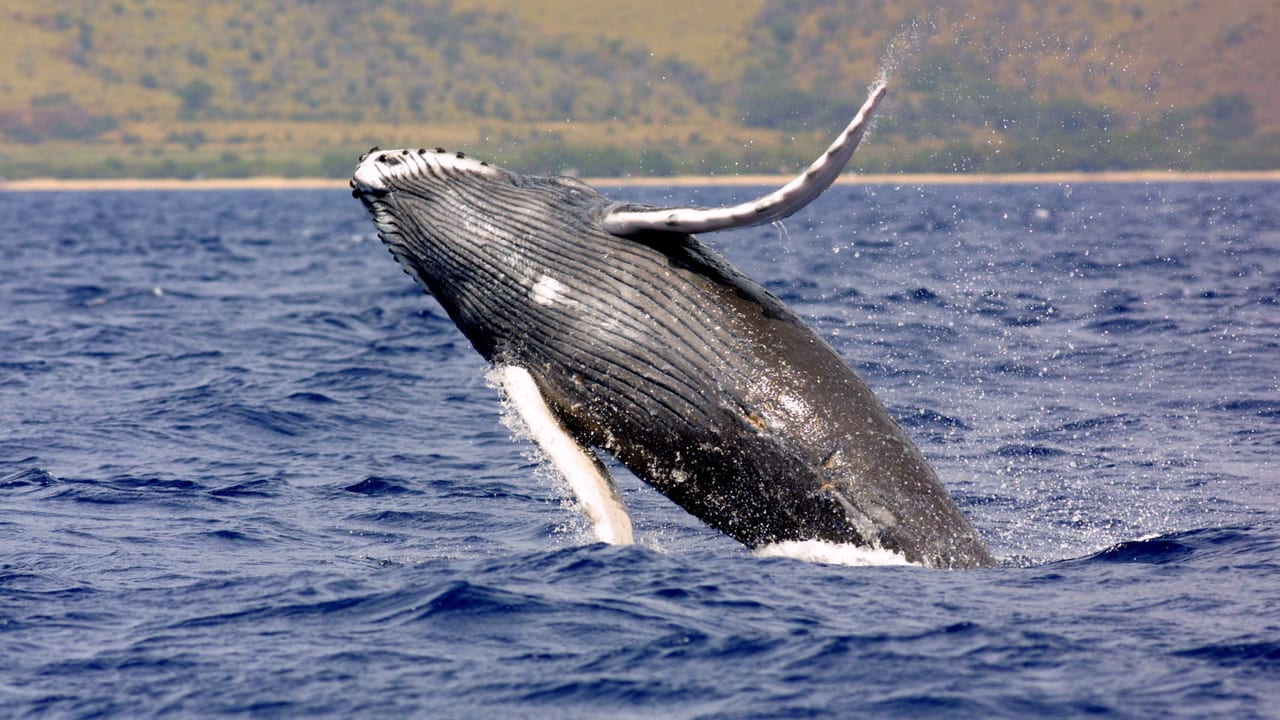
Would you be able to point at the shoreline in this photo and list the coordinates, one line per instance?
(280, 183)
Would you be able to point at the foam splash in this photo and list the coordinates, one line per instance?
(820, 551)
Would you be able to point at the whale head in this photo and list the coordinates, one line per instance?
(476, 236)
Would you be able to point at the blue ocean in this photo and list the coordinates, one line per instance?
(247, 469)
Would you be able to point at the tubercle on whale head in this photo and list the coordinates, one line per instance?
(379, 170)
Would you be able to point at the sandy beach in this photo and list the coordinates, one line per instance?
(279, 183)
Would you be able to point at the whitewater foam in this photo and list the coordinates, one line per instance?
(821, 551)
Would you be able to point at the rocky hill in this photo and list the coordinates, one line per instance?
(299, 87)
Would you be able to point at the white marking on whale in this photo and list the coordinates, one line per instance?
(547, 290)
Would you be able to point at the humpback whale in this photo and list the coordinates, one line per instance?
(613, 329)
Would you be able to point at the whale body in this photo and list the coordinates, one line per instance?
(613, 329)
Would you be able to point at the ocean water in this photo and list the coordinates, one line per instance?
(248, 469)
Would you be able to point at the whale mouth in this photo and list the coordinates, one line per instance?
(380, 172)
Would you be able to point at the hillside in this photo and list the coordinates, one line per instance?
(300, 87)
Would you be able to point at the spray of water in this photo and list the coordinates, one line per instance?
(904, 46)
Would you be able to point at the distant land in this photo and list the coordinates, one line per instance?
(154, 89)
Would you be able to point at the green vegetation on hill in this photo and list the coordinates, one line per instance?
(155, 88)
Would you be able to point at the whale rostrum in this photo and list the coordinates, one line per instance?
(613, 329)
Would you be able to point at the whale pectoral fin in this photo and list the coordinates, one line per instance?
(625, 220)
(590, 481)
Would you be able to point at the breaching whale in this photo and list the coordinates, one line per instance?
(612, 328)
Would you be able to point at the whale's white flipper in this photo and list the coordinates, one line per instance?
(586, 476)
(786, 200)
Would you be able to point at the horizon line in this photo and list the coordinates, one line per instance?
(319, 183)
